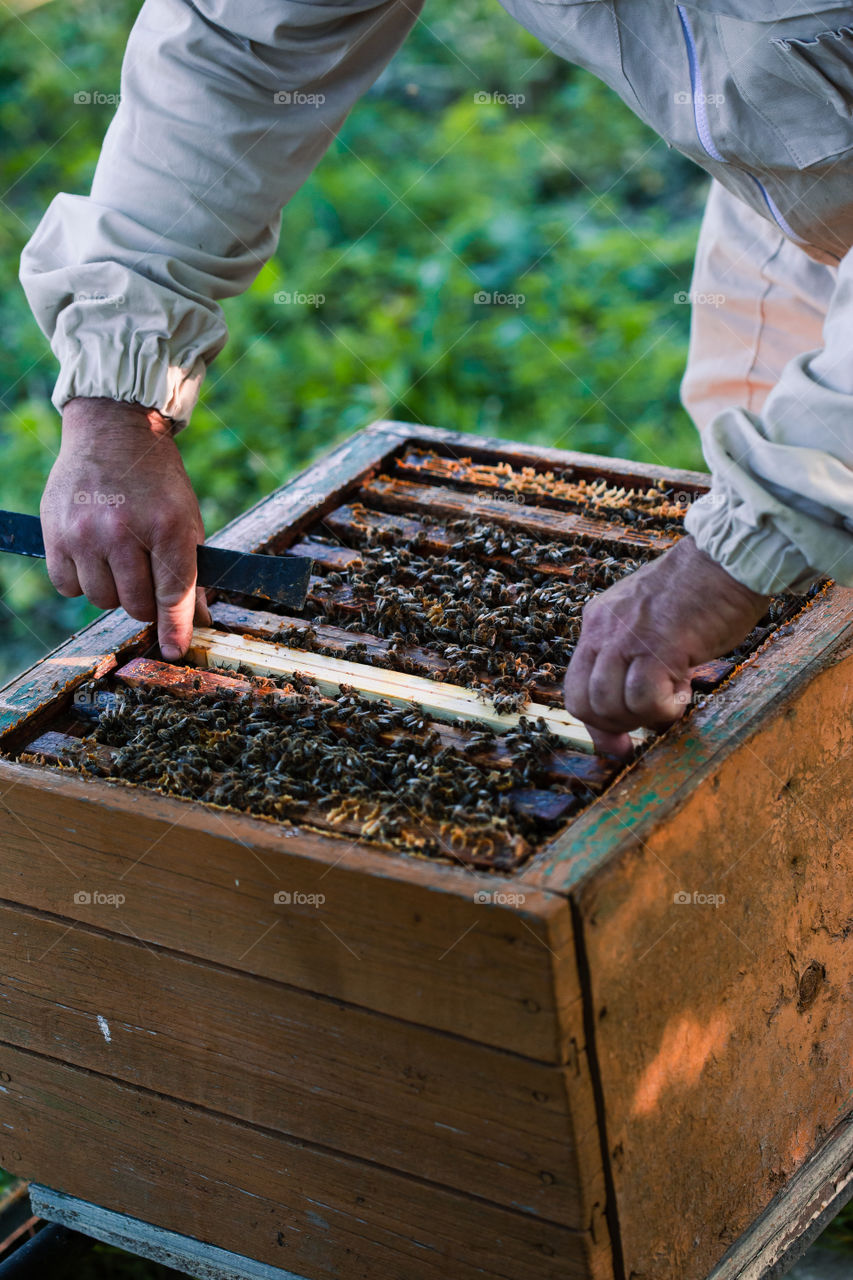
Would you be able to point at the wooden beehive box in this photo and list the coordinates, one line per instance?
(558, 1071)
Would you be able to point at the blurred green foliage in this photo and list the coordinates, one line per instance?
(425, 199)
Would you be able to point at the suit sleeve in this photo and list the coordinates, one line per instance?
(779, 514)
(226, 108)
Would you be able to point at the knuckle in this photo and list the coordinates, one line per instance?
(174, 525)
(65, 584)
(103, 599)
(576, 702)
(174, 593)
(140, 607)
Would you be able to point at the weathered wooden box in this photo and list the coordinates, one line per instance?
(631, 1058)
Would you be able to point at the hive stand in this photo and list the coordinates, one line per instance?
(567, 1073)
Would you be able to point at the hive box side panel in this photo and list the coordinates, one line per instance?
(723, 1016)
(289, 1204)
(435, 1106)
(401, 936)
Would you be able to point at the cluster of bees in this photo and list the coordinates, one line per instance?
(303, 755)
(499, 627)
(501, 609)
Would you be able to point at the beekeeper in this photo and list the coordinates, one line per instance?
(227, 106)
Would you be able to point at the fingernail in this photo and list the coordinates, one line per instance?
(170, 652)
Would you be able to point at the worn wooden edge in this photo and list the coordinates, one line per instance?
(168, 1248)
(745, 1136)
(656, 784)
(272, 835)
(87, 655)
(279, 518)
(799, 1213)
(522, 452)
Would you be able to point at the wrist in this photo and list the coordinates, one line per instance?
(700, 562)
(85, 417)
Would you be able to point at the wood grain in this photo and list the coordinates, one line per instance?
(587, 466)
(402, 936)
(31, 697)
(258, 1193)
(706, 1012)
(450, 504)
(300, 633)
(802, 1209)
(448, 702)
(440, 1108)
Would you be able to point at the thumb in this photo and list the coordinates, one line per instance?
(173, 569)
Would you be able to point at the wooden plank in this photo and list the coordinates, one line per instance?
(442, 701)
(731, 999)
(355, 524)
(261, 1194)
(490, 448)
(459, 1114)
(398, 935)
(264, 625)
(434, 500)
(300, 633)
(166, 1248)
(258, 622)
(275, 522)
(576, 769)
(334, 559)
(28, 699)
(493, 850)
(797, 1215)
(598, 498)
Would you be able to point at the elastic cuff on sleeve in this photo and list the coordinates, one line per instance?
(758, 556)
(122, 374)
